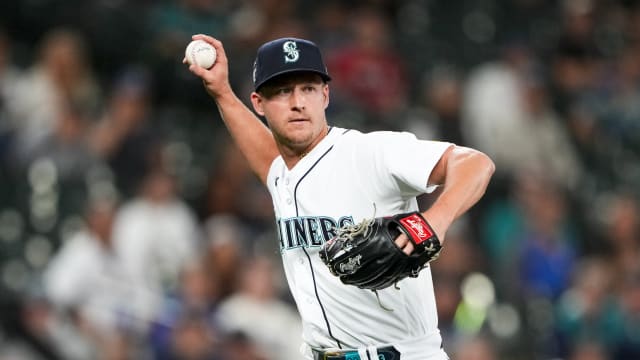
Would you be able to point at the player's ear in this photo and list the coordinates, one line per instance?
(325, 93)
(256, 101)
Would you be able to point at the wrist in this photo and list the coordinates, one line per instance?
(439, 221)
(225, 96)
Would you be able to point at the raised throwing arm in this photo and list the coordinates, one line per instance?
(252, 136)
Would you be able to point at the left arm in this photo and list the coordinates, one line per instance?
(464, 174)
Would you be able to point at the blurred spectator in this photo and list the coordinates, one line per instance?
(602, 116)
(448, 273)
(28, 328)
(578, 20)
(155, 234)
(574, 59)
(532, 135)
(369, 71)
(616, 109)
(192, 339)
(622, 232)
(238, 346)
(234, 189)
(9, 76)
(281, 20)
(541, 141)
(587, 313)
(171, 23)
(579, 81)
(493, 102)
(252, 22)
(124, 136)
(530, 239)
(227, 242)
(438, 114)
(448, 298)
(594, 150)
(629, 342)
(66, 146)
(169, 26)
(330, 24)
(229, 175)
(548, 247)
(123, 347)
(464, 256)
(476, 348)
(256, 310)
(444, 96)
(60, 75)
(195, 302)
(86, 281)
(621, 108)
(589, 351)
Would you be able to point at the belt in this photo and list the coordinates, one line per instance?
(384, 353)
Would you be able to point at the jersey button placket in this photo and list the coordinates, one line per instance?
(287, 182)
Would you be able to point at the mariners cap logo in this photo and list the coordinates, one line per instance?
(255, 70)
(291, 53)
(281, 56)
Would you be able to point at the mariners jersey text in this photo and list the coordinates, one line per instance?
(308, 231)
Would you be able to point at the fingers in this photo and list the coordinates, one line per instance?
(404, 244)
(217, 44)
(216, 78)
(221, 57)
(198, 70)
(204, 37)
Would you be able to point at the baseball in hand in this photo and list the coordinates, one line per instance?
(201, 53)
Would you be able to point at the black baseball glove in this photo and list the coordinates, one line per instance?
(365, 254)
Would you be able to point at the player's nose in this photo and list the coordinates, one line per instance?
(297, 99)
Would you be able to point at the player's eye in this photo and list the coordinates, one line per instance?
(283, 91)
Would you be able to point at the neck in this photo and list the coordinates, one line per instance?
(292, 156)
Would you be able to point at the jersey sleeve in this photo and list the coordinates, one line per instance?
(406, 161)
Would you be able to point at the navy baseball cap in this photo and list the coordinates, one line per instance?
(287, 55)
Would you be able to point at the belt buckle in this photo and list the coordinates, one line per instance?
(384, 353)
(346, 355)
(326, 354)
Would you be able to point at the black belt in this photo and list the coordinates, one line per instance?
(384, 353)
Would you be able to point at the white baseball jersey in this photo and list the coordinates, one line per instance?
(347, 177)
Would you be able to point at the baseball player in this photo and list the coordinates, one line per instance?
(323, 179)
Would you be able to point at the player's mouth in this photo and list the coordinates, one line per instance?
(298, 121)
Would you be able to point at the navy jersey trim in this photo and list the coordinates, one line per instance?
(313, 275)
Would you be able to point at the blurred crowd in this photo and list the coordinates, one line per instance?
(132, 228)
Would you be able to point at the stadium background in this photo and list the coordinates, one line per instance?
(131, 228)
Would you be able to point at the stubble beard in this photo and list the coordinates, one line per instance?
(295, 143)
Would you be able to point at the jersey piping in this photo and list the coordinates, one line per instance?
(313, 275)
